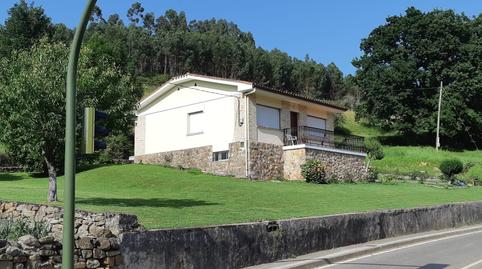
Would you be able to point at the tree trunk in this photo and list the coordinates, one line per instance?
(52, 195)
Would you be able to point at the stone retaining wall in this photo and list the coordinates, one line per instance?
(97, 238)
(238, 246)
(339, 166)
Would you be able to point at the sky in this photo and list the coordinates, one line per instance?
(328, 31)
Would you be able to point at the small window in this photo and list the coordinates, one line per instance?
(220, 155)
(267, 117)
(195, 122)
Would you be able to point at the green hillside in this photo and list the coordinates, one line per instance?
(411, 159)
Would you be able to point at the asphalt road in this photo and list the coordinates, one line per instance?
(461, 252)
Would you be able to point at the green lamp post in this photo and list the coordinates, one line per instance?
(69, 186)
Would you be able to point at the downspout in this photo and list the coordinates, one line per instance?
(246, 130)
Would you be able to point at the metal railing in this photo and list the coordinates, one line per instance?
(323, 138)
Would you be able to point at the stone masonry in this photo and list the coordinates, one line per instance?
(97, 238)
(201, 158)
(343, 167)
(266, 160)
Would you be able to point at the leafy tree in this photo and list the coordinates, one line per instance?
(136, 13)
(24, 26)
(32, 103)
(403, 63)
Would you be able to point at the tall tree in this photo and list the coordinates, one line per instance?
(403, 64)
(32, 103)
(136, 13)
(25, 25)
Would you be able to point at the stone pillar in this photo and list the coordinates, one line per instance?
(253, 126)
(140, 136)
(240, 115)
(302, 115)
(285, 115)
(330, 121)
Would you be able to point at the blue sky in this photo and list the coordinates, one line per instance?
(329, 31)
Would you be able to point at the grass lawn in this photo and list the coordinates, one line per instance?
(165, 197)
(360, 128)
(409, 159)
(404, 160)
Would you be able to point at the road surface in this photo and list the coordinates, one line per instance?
(460, 251)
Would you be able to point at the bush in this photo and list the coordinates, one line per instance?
(13, 229)
(450, 168)
(118, 147)
(314, 172)
(374, 149)
(372, 175)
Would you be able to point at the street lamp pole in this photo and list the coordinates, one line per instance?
(437, 139)
(69, 185)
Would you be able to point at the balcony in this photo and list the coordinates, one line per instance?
(323, 138)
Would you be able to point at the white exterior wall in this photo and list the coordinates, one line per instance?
(166, 121)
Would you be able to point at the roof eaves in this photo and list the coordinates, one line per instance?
(299, 96)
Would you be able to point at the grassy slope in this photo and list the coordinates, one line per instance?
(360, 128)
(164, 197)
(405, 160)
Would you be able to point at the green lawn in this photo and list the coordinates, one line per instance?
(405, 160)
(361, 127)
(165, 197)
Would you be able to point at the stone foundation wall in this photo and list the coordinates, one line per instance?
(201, 158)
(339, 166)
(97, 238)
(266, 160)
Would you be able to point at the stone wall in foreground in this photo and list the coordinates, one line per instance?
(241, 245)
(97, 238)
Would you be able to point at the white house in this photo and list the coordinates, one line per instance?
(233, 127)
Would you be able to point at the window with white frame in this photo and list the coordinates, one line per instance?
(267, 117)
(220, 155)
(195, 123)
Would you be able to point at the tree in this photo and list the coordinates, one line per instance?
(136, 13)
(32, 103)
(403, 63)
(26, 24)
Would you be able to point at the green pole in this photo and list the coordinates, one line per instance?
(69, 185)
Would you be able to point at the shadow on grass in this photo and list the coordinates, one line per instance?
(10, 177)
(140, 202)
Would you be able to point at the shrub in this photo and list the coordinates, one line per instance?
(118, 147)
(13, 229)
(314, 172)
(374, 149)
(372, 175)
(450, 168)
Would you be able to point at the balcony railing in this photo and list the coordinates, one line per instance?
(323, 138)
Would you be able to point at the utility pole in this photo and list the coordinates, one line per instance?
(69, 186)
(437, 140)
